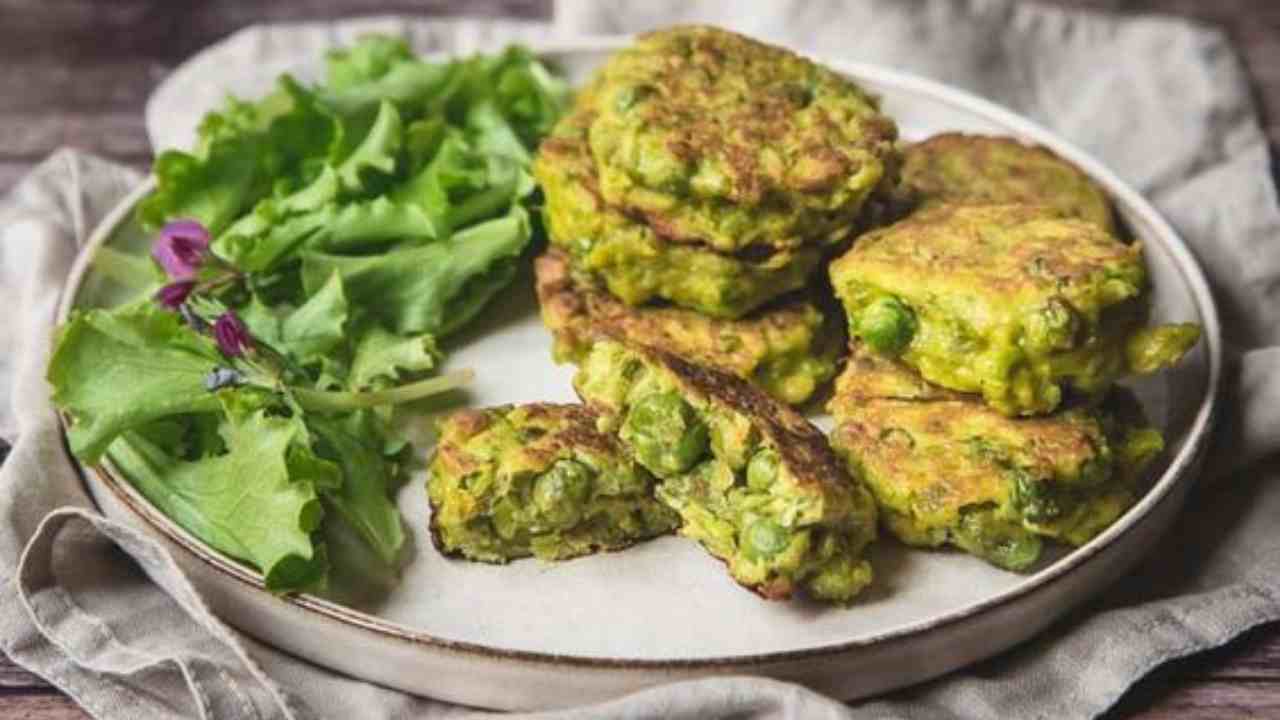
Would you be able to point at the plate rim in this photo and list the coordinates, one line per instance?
(1177, 471)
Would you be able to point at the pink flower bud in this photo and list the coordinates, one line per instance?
(232, 336)
(180, 248)
(174, 294)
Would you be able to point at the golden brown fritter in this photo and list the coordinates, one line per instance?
(632, 260)
(717, 139)
(787, 348)
(962, 168)
(1011, 301)
(752, 480)
(538, 479)
(946, 469)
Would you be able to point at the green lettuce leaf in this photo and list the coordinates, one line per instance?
(364, 498)
(382, 358)
(244, 151)
(251, 503)
(318, 327)
(367, 60)
(353, 227)
(358, 84)
(434, 288)
(377, 153)
(113, 371)
(462, 185)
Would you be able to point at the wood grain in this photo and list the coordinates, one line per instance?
(77, 73)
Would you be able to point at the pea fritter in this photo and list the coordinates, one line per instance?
(510, 482)
(947, 470)
(721, 140)
(1013, 302)
(753, 481)
(632, 260)
(960, 168)
(786, 349)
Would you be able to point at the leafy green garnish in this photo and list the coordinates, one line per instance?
(353, 224)
(256, 502)
(431, 289)
(113, 371)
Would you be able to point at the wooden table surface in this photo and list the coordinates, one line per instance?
(77, 72)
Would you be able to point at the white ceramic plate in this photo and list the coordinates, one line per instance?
(534, 635)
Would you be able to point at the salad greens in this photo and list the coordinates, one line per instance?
(319, 243)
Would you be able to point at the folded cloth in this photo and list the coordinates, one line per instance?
(101, 610)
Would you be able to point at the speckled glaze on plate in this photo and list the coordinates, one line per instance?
(531, 635)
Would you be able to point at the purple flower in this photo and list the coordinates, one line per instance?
(232, 336)
(174, 294)
(180, 248)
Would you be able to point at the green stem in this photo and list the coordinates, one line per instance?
(128, 270)
(325, 401)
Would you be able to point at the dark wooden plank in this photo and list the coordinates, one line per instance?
(40, 707)
(1253, 657)
(113, 133)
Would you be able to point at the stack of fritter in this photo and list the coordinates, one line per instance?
(693, 198)
(699, 182)
(989, 329)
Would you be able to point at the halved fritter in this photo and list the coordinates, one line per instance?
(752, 480)
(785, 348)
(510, 482)
(960, 168)
(946, 469)
(721, 140)
(1010, 301)
(633, 262)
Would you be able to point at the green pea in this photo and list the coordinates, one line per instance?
(1015, 552)
(665, 434)
(767, 537)
(561, 491)
(762, 470)
(886, 326)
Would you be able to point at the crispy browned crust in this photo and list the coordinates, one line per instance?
(576, 313)
(800, 446)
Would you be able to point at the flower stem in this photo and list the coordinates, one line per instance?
(128, 270)
(323, 400)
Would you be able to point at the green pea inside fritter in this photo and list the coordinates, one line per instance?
(540, 479)
(886, 326)
(665, 434)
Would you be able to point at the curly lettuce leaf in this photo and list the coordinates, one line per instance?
(257, 502)
(377, 152)
(429, 289)
(382, 358)
(464, 184)
(117, 370)
(357, 83)
(244, 152)
(368, 60)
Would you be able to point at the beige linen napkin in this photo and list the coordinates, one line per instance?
(102, 612)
